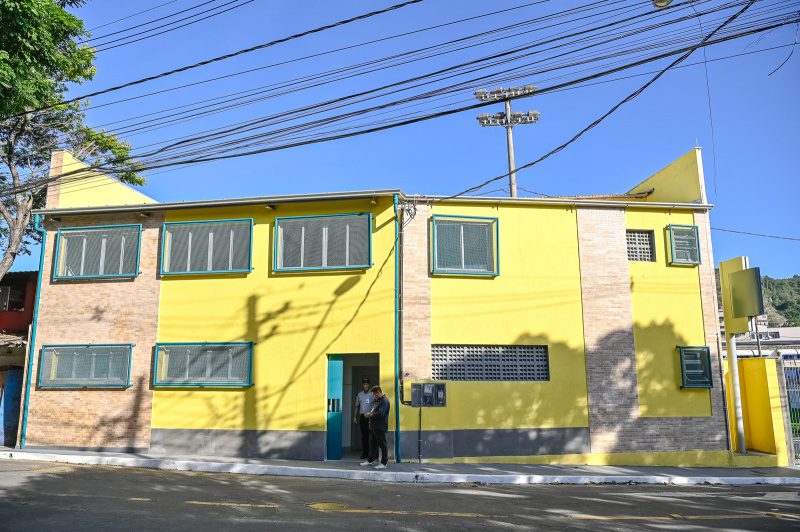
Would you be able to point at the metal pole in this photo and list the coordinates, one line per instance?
(512, 175)
(758, 338)
(733, 368)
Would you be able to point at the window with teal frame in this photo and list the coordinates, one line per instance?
(97, 252)
(206, 364)
(85, 366)
(695, 367)
(207, 247)
(327, 242)
(465, 245)
(685, 244)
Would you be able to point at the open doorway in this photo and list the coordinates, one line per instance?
(345, 373)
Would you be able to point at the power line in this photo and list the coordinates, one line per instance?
(755, 234)
(228, 56)
(131, 15)
(608, 113)
(102, 47)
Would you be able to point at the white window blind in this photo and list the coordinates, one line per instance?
(324, 242)
(197, 247)
(466, 246)
(98, 252)
(685, 244)
(85, 366)
(204, 364)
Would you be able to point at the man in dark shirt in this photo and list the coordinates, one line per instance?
(378, 427)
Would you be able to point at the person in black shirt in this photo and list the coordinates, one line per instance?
(378, 427)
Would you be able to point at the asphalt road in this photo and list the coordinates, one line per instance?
(48, 496)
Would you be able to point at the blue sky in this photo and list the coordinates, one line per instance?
(755, 115)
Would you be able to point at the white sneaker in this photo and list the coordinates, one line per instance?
(380, 466)
(365, 463)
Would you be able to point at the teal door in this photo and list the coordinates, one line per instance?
(334, 428)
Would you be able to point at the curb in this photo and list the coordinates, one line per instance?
(388, 476)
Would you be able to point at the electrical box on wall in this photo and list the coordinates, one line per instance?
(428, 394)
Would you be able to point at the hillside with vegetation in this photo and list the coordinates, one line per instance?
(782, 301)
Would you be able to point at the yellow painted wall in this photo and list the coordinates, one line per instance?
(667, 311)
(535, 300)
(678, 182)
(764, 428)
(296, 320)
(95, 189)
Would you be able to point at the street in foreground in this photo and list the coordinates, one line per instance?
(49, 496)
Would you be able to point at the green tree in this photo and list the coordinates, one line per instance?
(39, 56)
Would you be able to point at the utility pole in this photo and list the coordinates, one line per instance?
(508, 120)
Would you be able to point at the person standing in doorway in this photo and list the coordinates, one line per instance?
(378, 427)
(363, 405)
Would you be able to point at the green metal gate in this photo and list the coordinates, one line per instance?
(791, 370)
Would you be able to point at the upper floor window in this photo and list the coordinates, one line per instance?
(85, 366)
(640, 245)
(339, 241)
(205, 364)
(685, 243)
(465, 245)
(221, 246)
(12, 296)
(91, 252)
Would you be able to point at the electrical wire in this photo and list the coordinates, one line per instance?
(132, 15)
(227, 56)
(608, 113)
(755, 234)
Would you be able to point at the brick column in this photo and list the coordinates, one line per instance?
(54, 187)
(416, 297)
(615, 425)
(98, 311)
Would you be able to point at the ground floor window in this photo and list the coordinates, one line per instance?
(204, 364)
(85, 366)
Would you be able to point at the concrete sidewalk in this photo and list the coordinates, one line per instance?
(414, 472)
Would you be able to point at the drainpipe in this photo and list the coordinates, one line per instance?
(397, 453)
(37, 219)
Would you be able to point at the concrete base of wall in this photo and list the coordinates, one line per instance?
(286, 444)
(494, 442)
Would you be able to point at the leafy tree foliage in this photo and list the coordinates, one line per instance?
(39, 56)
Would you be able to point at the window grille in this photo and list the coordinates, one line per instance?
(685, 244)
(465, 246)
(323, 242)
(207, 247)
(207, 364)
(695, 367)
(89, 252)
(85, 366)
(641, 246)
(490, 362)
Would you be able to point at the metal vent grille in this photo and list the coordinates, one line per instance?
(324, 242)
(203, 364)
(641, 246)
(85, 366)
(98, 252)
(207, 246)
(490, 362)
(464, 245)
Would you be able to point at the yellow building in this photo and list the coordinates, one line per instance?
(547, 330)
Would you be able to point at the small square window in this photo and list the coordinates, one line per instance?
(464, 246)
(695, 367)
(685, 243)
(641, 247)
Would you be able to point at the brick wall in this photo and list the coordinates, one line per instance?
(416, 297)
(615, 425)
(98, 311)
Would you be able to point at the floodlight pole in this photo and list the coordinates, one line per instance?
(512, 174)
(508, 120)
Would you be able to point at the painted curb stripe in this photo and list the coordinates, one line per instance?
(390, 476)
